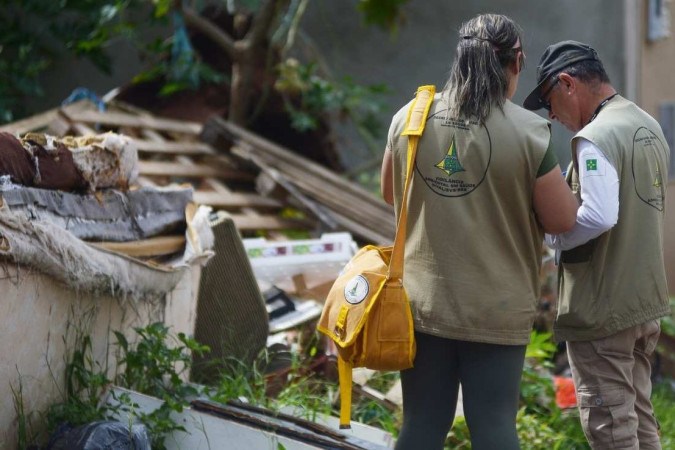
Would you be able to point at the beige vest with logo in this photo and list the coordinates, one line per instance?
(473, 248)
(618, 280)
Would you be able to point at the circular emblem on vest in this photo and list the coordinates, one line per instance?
(356, 290)
(649, 175)
(460, 166)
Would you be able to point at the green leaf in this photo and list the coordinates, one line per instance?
(541, 346)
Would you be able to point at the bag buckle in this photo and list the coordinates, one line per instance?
(339, 332)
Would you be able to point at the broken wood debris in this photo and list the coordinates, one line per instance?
(170, 152)
(347, 204)
(224, 162)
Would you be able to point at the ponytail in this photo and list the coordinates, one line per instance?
(478, 76)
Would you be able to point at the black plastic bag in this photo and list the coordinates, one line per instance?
(103, 435)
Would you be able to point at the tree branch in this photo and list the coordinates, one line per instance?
(210, 30)
(263, 21)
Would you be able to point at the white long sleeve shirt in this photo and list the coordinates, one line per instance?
(599, 211)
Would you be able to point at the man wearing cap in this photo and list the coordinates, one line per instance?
(612, 282)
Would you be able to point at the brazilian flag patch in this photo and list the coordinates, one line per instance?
(591, 164)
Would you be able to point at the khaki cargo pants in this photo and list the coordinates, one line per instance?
(612, 379)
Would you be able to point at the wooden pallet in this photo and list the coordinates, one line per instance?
(231, 169)
(170, 152)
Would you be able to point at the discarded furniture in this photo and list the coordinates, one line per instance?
(231, 315)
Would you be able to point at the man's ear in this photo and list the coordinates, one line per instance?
(568, 82)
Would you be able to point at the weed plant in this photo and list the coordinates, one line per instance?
(239, 381)
(156, 365)
(22, 417)
(663, 399)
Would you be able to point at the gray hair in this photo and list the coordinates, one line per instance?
(478, 78)
(591, 72)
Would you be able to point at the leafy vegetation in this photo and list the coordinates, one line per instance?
(318, 95)
(156, 363)
(153, 365)
(242, 46)
(38, 32)
(253, 36)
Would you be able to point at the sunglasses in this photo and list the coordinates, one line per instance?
(544, 100)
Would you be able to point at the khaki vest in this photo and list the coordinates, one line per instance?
(618, 279)
(473, 248)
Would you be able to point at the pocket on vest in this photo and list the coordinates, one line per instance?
(579, 306)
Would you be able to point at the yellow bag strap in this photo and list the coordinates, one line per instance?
(415, 122)
(345, 380)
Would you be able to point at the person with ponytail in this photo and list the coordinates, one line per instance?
(486, 186)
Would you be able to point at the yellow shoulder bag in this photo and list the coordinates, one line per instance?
(367, 312)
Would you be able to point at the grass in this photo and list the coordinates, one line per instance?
(22, 420)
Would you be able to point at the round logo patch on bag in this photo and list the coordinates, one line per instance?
(356, 289)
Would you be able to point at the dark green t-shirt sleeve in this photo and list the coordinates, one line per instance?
(549, 162)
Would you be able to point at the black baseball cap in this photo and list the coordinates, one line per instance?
(555, 58)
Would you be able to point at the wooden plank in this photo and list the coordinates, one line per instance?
(44, 119)
(307, 203)
(267, 222)
(276, 154)
(384, 235)
(84, 130)
(156, 246)
(130, 120)
(376, 395)
(248, 214)
(312, 182)
(174, 148)
(348, 210)
(32, 123)
(146, 182)
(349, 202)
(173, 169)
(58, 127)
(234, 200)
(395, 394)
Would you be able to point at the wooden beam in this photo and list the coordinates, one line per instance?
(130, 120)
(32, 123)
(83, 130)
(44, 119)
(156, 246)
(266, 222)
(383, 235)
(173, 169)
(277, 154)
(375, 224)
(59, 126)
(174, 148)
(234, 200)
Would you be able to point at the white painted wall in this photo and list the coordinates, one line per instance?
(41, 320)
